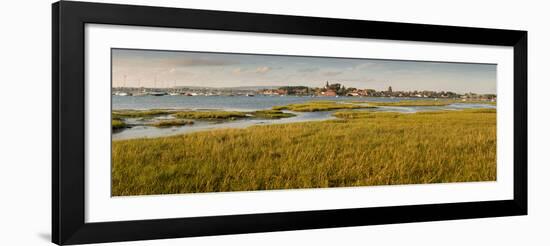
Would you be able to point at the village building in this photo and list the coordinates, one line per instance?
(329, 93)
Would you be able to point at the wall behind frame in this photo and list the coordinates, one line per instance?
(25, 125)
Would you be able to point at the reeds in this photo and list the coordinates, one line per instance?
(313, 106)
(272, 114)
(117, 124)
(139, 113)
(359, 149)
(171, 123)
(210, 115)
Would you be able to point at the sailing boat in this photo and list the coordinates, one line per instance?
(155, 91)
(174, 92)
(122, 93)
(142, 91)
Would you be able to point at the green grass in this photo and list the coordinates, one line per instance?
(482, 110)
(139, 113)
(313, 106)
(170, 123)
(210, 115)
(272, 114)
(203, 115)
(365, 114)
(358, 149)
(117, 124)
(477, 102)
(185, 117)
(414, 103)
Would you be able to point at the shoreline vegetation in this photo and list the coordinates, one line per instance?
(272, 114)
(187, 116)
(276, 112)
(132, 113)
(421, 103)
(170, 123)
(117, 124)
(358, 148)
(313, 106)
(210, 115)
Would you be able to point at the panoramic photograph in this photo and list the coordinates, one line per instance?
(200, 122)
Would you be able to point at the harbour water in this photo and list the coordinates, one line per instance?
(242, 104)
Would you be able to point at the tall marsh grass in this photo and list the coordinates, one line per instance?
(130, 113)
(358, 149)
(432, 102)
(313, 106)
(271, 114)
(117, 124)
(171, 123)
(209, 115)
(413, 103)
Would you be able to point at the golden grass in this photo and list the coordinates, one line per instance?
(272, 114)
(413, 103)
(170, 123)
(130, 113)
(313, 106)
(117, 124)
(361, 149)
(364, 114)
(477, 102)
(210, 115)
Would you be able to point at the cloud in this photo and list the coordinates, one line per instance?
(368, 65)
(331, 73)
(238, 70)
(172, 62)
(193, 62)
(357, 79)
(308, 70)
(263, 69)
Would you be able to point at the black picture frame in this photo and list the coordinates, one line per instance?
(69, 19)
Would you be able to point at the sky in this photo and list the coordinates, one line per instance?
(151, 68)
